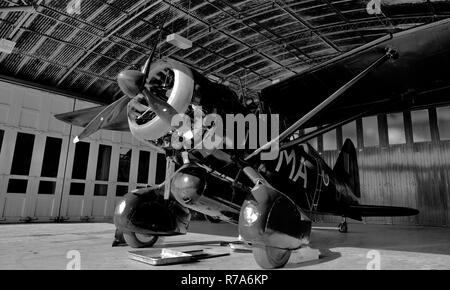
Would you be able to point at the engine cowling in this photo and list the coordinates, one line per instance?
(174, 83)
(179, 86)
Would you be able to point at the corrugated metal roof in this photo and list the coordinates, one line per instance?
(250, 42)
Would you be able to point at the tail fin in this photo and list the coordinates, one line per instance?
(346, 167)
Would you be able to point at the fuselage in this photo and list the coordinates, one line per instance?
(212, 181)
(300, 173)
(303, 175)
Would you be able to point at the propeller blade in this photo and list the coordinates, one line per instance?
(161, 108)
(104, 118)
(131, 82)
(146, 69)
(81, 117)
(148, 63)
(166, 113)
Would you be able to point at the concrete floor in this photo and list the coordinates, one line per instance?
(49, 246)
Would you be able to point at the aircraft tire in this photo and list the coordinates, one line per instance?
(271, 258)
(135, 240)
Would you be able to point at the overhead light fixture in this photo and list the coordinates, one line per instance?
(179, 41)
(6, 45)
(275, 81)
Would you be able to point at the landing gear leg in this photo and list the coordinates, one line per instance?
(343, 225)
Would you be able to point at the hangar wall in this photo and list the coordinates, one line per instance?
(44, 176)
(404, 160)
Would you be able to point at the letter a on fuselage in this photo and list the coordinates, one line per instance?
(291, 157)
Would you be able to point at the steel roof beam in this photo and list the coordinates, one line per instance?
(36, 46)
(88, 32)
(152, 24)
(259, 25)
(224, 32)
(288, 10)
(106, 37)
(340, 15)
(45, 36)
(60, 65)
(207, 49)
(78, 28)
(365, 23)
(20, 8)
(26, 17)
(101, 30)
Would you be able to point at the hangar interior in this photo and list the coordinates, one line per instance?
(67, 55)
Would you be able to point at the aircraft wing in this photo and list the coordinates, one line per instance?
(419, 76)
(380, 210)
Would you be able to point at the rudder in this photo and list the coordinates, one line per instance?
(346, 167)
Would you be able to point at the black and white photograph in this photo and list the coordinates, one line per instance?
(224, 136)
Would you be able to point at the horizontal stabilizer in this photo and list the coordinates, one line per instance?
(381, 210)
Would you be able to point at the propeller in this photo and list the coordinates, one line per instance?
(131, 83)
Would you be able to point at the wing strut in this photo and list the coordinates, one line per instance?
(390, 53)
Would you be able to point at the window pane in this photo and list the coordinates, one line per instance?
(103, 162)
(144, 162)
(1, 139)
(76, 188)
(52, 153)
(160, 168)
(22, 154)
(443, 115)
(47, 187)
(312, 142)
(370, 131)
(80, 161)
(123, 174)
(349, 131)
(295, 135)
(17, 186)
(101, 190)
(396, 130)
(121, 190)
(421, 126)
(329, 140)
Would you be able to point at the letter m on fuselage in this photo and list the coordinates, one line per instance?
(288, 157)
